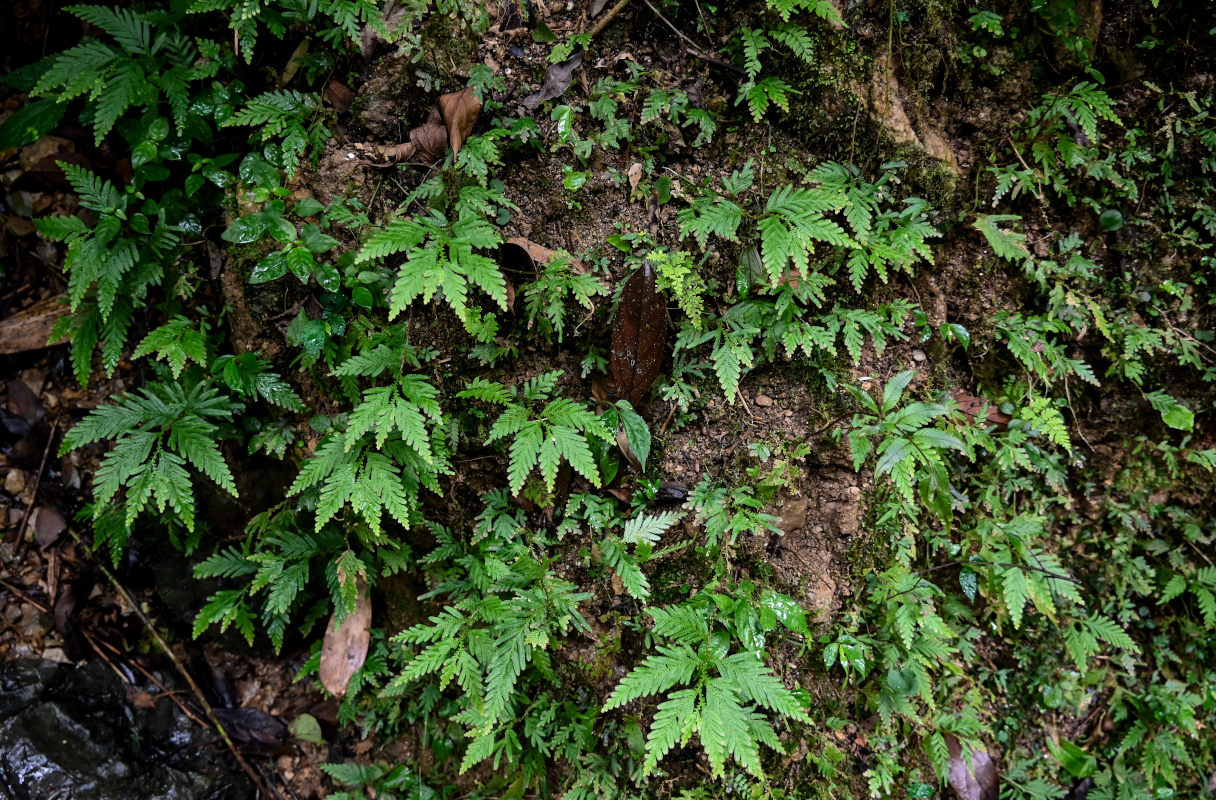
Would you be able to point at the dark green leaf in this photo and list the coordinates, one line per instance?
(246, 229)
(272, 267)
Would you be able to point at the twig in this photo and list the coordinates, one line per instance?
(696, 48)
(258, 783)
(1038, 191)
(29, 507)
(25, 598)
(607, 18)
(152, 678)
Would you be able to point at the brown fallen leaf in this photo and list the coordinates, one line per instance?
(622, 442)
(49, 525)
(977, 780)
(518, 254)
(428, 143)
(253, 726)
(339, 96)
(972, 406)
(460, 110)
(557, 80)
(635, 174)
(639, 336)
(345, 647)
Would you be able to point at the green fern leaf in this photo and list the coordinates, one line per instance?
(675, 720)
(672, 665)
(725, 730)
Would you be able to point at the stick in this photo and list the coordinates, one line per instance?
(29, 507)
(696, 48)
(607, 18)
(258, 783)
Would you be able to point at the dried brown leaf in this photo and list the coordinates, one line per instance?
(622, 441)
(518, 254)
(557, 80)
(639, 336)
(972, 406)
(428, 143)
(460, 111)
(345, 647)
(339, 96)
(977, 780)
(430, 139)
(49, 525)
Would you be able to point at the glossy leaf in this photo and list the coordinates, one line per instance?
(639, 336)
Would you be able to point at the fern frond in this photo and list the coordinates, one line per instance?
(671, 665)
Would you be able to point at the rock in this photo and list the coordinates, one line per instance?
(763, 400)
(68, 732)
(14, 482)
(918, 356)
(793, 515)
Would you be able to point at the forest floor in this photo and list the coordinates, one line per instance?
(893, 89)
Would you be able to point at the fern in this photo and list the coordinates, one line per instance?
(177, 342)
(109, 273)
(1005, 244)
(556, 433)
(138, 73)
(289, 117)
(158, 431)
(440, 260)
(722, 699)
(496, 632)
(545, 298)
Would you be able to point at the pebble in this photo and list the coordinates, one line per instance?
(918, 355)
(763, 400)
(14, 481)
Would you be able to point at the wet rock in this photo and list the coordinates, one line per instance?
(68, 732)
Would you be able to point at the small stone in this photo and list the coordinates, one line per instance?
(14, 481)
(918, 355)
(763, 400)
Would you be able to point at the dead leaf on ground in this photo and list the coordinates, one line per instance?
(977, 780)
(635, 174)
(518, 254)
(427, 145)
(253, 726)
(972, 406)
(639, 336)
(460, 111)
(345, 647)
(557, 80)
(49, 525)
(339, 96)
(622, 441)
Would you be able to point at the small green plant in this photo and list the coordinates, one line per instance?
(557, 432)
(911, 451)
(441, 259)
(157, 432)
(506, 611)
(711, 692)
(545, 299)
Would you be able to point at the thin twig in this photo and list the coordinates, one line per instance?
(607, 18)
(29, 507)
(165, 692)
(258, 783)
(696, 48)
